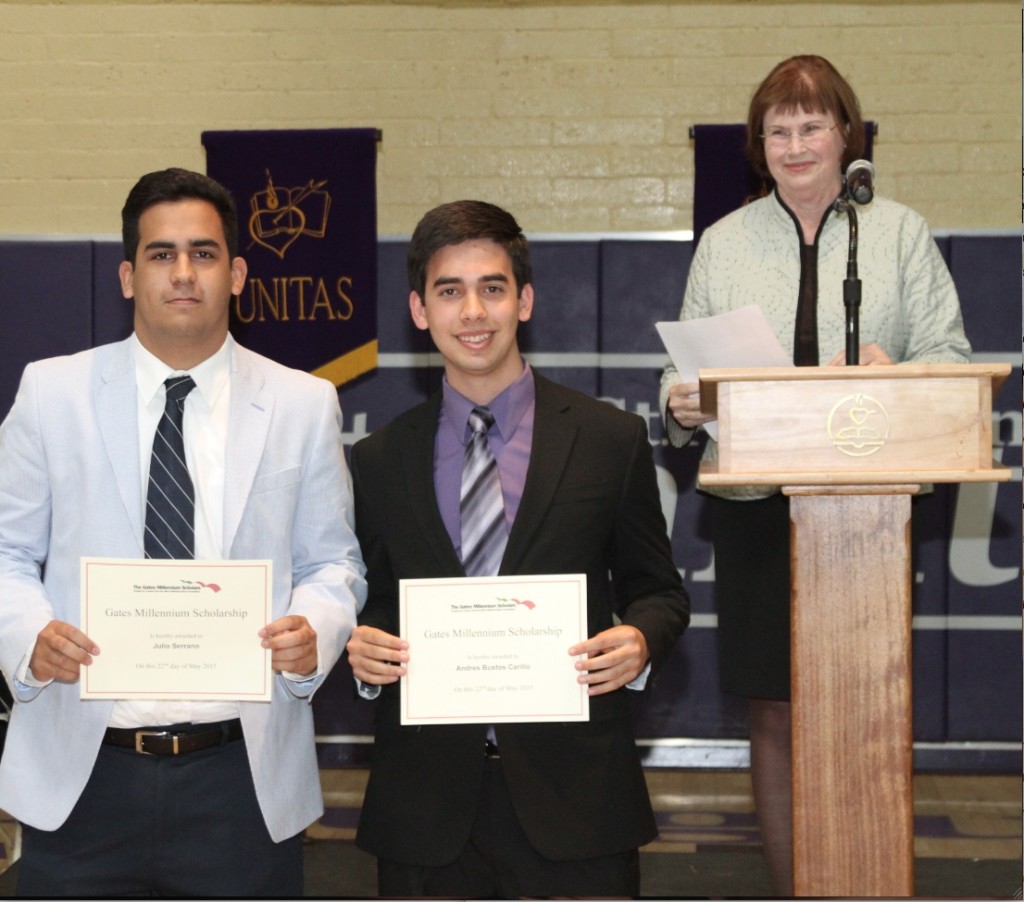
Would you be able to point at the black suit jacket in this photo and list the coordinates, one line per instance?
(590, 505)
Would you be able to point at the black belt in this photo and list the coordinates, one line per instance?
(179, 739)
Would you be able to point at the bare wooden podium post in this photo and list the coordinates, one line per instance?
(850, 446)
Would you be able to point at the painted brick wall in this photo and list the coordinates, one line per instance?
(574, 115)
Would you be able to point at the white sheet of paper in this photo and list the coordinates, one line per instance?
(493, 649)
(171, 629)
(739, 338)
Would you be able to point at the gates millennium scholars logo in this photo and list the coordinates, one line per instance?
(280, 216)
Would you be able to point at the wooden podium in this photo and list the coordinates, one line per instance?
(850, 446)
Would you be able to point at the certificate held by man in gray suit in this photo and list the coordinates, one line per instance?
(174, 444)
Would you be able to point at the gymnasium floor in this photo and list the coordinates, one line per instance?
(967, 838)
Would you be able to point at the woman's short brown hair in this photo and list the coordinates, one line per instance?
(810, 83)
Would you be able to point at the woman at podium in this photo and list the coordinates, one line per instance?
(787, 252)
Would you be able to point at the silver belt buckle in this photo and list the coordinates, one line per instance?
(140, 735)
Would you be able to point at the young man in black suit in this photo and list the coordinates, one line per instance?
(525, 809)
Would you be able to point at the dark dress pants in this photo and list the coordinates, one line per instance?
(498, 862)
(187, 825)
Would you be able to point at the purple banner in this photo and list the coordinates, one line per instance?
(307, 211)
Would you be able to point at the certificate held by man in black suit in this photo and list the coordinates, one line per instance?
(492, 649)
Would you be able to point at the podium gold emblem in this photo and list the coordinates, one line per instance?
(858, 425)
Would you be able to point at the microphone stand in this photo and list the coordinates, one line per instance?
(851, 284)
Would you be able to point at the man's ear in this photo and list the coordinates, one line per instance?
(239, 270)
(418, 311)
(126, 273)
(526, 303)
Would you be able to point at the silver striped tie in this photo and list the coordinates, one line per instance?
(481, 508)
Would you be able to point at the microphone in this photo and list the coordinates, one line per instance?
(860, 177)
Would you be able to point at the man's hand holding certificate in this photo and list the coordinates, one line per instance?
(493, 649)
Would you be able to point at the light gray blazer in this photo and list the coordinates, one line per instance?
(70, 486)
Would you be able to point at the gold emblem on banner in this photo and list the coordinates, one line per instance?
(858, 425)
(280, 216)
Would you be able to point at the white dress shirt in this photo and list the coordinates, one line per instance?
(206, 434)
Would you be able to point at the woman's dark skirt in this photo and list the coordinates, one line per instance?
(752, 593)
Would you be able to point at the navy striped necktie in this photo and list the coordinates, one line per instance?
(170, 500)
(481, 507)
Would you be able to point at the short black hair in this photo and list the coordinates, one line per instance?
(169, 186)
(461, 221)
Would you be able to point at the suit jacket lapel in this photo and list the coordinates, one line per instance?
(417, 461)
(252, 407)
(554, 433)
(117, 414)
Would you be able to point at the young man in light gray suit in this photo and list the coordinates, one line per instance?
(215, 803)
